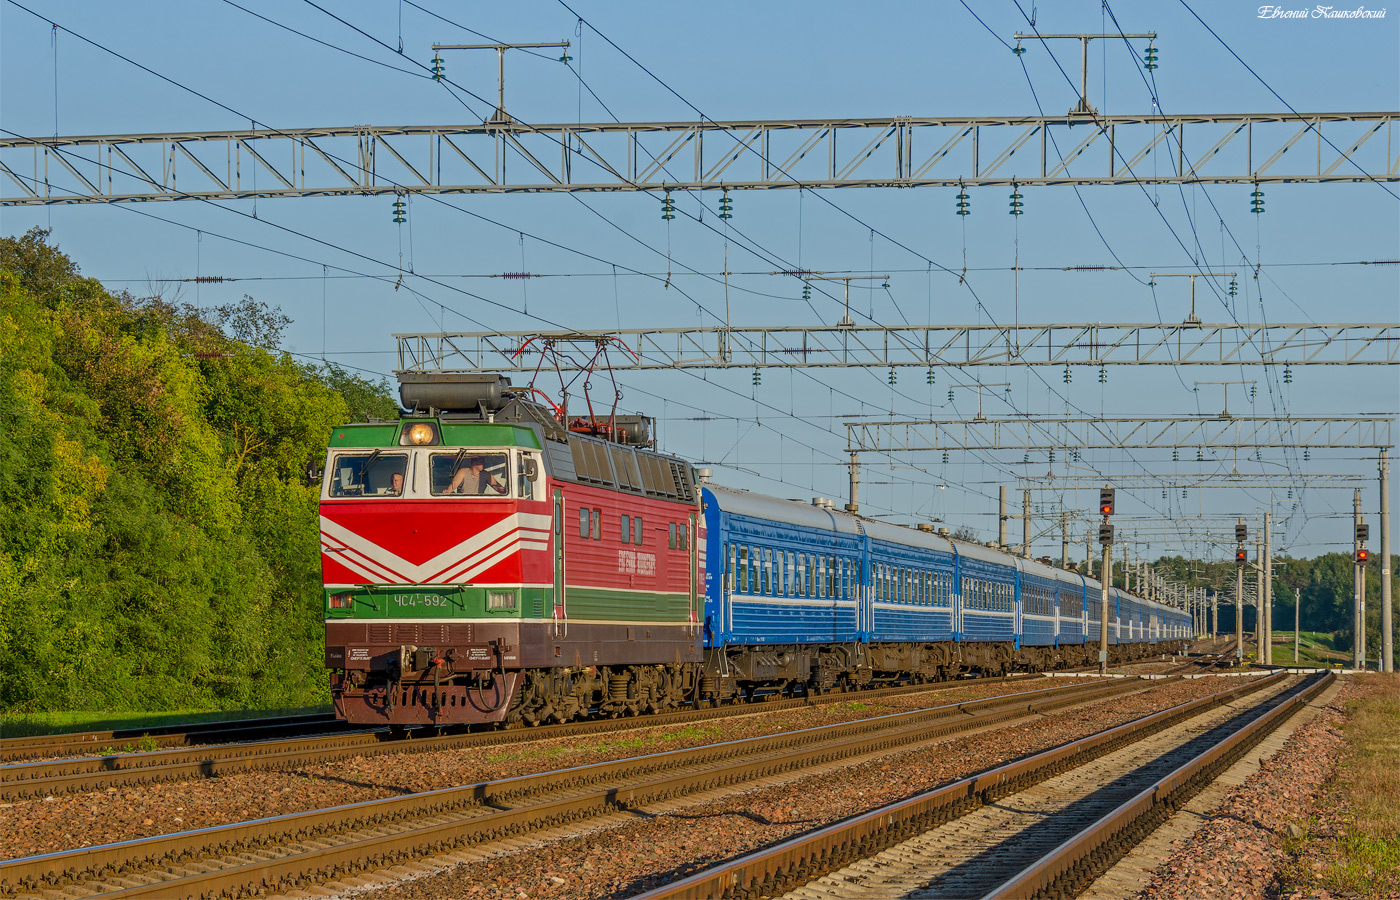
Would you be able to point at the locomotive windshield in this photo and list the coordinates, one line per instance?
(471, 472)
(421, 474)
(368, 474)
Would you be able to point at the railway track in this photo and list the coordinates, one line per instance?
(284, 852)
(1043, 826)
(29, 780)
(132, 740)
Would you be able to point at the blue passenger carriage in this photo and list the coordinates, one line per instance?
(811, 596)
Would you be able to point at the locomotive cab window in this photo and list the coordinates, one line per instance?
(474, 473)
(368, 474)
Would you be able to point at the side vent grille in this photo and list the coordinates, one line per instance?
(381, 634)
(682, 483)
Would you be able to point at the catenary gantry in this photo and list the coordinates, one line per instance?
(1026, 433)
(908, 346)
(891, 151)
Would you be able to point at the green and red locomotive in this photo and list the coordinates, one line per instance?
(485, 562)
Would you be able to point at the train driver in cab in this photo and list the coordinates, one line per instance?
(473, 478)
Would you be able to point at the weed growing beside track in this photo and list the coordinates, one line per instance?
(1352, 846)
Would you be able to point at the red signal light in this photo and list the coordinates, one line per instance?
(1362, 555)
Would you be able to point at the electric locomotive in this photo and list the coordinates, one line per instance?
(485, 562)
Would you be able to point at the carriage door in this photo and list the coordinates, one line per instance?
(561, 626)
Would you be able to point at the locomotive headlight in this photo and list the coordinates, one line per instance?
(341, 601)
(419, 434)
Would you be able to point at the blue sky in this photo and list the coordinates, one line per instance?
(768, 61)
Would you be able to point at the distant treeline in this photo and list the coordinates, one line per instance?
(158, 540)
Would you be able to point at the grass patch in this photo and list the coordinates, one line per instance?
(1315, 648)
(28, 724)
(1358, 850)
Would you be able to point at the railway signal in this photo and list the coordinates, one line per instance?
(1362, 555)
(1241, 533)
(1363, 533)
(1240, 557)
(1106, 501)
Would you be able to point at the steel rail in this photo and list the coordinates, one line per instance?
(606, 790)
(1071, 866)
(174, 735)
(800, 860)
(20, 781)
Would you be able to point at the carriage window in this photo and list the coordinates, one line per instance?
(583, 523)
(626, 530)
(767, 573)
(470, 472)
(637, 530)
(670, 535)
(597, 524)
(821, 577)
(685, 537)
(368, 474)
(744, 569)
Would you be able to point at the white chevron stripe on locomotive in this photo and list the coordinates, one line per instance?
(527, 531)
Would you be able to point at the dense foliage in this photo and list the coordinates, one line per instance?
(158, 540)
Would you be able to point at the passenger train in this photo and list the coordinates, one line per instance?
(486, 560)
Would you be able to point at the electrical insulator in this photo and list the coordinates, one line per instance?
(1052, 455)
(1176, 455)
(950, 395)
(757, 378)
(806, 292)
(437, 68)
(1103, 375)
(1290, 493)
(945, 457)
(1016, 203)
(1256, 202)
(964, 208)
(398, 210)
(1183, 493)
(726, 207)
(564, 57)
(1106, 496)
(1252, 392)
(1026, 457)
(1149, 58)
(893, 378)
(1074, 456)
(1287, 374)
(1200, 455)
(1018, 49)
(1067, 376)
(1234, 287)
(1307, 454)
(668, 207)
(929, 379)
